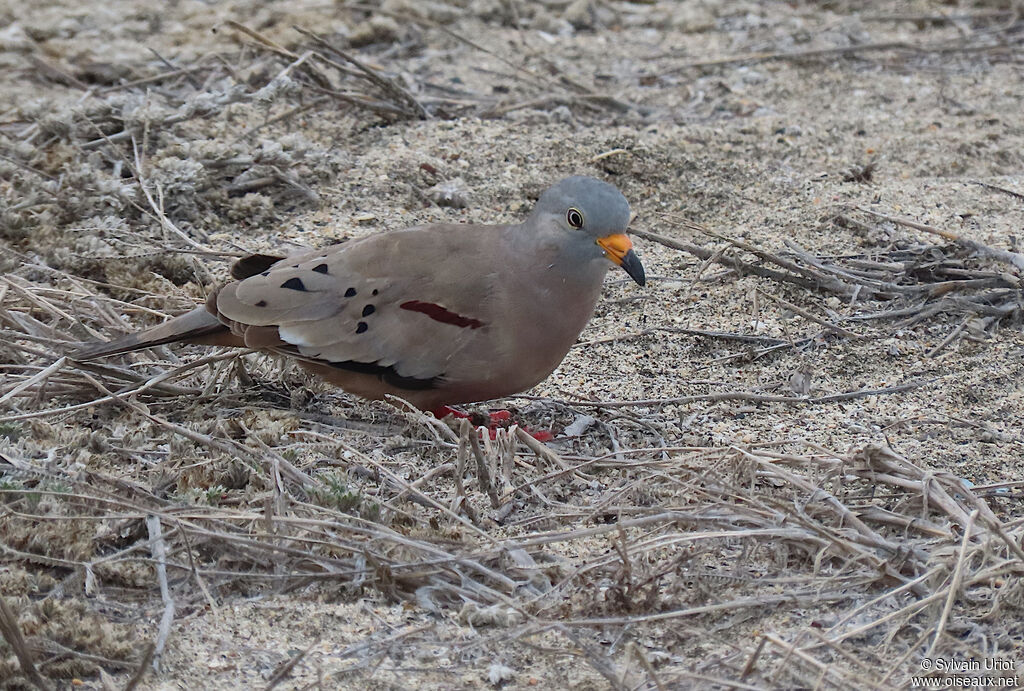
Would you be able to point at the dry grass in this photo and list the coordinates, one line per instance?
(889, 556)
(168, 486)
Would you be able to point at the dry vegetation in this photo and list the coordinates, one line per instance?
(793, 461)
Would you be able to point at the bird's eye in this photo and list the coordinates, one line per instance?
(574, 217)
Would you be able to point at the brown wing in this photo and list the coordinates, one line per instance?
(412, 300)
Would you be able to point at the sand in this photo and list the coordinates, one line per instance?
(695, 546)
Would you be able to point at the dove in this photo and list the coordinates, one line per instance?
(438, 314)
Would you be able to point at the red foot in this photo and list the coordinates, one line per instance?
(502, 419)
(499, 419)
(445, 411)
(498, 416)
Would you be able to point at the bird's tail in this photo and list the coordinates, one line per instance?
(199, 325)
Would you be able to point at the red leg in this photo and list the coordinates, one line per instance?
(499, 416)
(444, 411)
(540, 435)
(499, 419)
(503, 418)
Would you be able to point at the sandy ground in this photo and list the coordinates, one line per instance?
(763, 122)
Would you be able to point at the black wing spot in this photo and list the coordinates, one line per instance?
(361, 327)
(376, 292)
(350, 293)
(252, 265)
(321, 268)
(261, 303)
(387, 374)
(265, 273)
(294, 283)
(368, 310)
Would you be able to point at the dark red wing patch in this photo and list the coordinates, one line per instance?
(440, 314)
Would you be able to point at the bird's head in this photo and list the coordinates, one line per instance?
(590, 217)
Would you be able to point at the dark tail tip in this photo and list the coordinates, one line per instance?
(93, 351)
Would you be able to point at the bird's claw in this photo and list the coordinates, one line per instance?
(495, 420)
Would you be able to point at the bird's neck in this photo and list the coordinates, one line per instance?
(560, 278)
(557, 263)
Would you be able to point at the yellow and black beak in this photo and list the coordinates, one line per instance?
(619, 250)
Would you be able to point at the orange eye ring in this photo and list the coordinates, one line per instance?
(574, 217)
